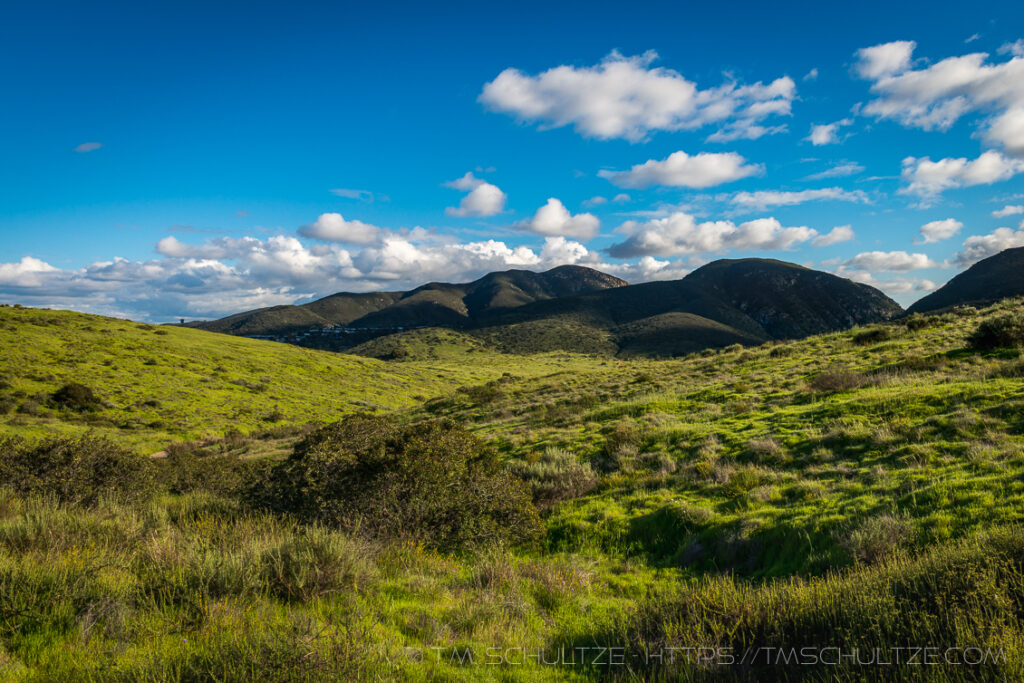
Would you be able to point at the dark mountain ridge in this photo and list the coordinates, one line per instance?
(746, 301)
(987, 281)
(432, 304)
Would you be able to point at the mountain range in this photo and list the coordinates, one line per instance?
(574, 308)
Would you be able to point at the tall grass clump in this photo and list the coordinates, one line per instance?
(556, 476)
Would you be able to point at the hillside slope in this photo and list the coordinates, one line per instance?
(987, 281)
(163, 384)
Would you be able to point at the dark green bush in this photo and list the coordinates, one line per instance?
(82, 470)
(184, 471)
(432, 482)
(995, 333)
(75, 396)
(838, 379)
(872, 336)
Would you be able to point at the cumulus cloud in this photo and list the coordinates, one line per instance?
(940, 230)
(555, 220)
(27, 272)
(763, 199)
(1008, 210)
(682, 170)
(884, 60)
(936, 96)
(87, 147)
(484, 199)
(928, 179)
(226, 274)
(838, 234)
(681, 233)
(811, 75)
(841, 170)
(332, 227)
(625, 97)
(889, 261)
(827, 133)
(977, 247)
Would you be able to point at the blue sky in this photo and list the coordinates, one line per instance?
(177, 159)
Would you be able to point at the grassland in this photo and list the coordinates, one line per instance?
(853, 490)
(161, 384)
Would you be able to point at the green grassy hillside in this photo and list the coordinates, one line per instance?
(861, 489)
(160, 384)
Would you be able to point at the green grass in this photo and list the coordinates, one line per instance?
(857, 489)
(162, 384)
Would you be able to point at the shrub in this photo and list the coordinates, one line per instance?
(994, 333)
(82, 470)
(184, 471)
(838, 379)
(916, 321)
(877, 538)
(767, 451)
(314, 564)
(622, 443)
(75, 396)
(432, 482)
(555, 477)
(872, 336)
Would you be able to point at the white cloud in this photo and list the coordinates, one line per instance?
(624, 97)
(555, 220)
(838, 234)
(977, 247)
(811, 75)
(87, 147)
(841, 170)
(680, 233)
(936, 96)
(884, 60)
(927, 178)
(889, 261)
(763, 199)
(484, 199)
(186, 280)
(1008, 210)
(622, 198)
(940, 230)
(594, 201)
(827, 133)
(1015, 48)
(24, 273)
(559, 250)
(333, 227)
(682, 170)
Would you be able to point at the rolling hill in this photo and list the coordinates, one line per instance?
(161, 384)
(987, 281)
